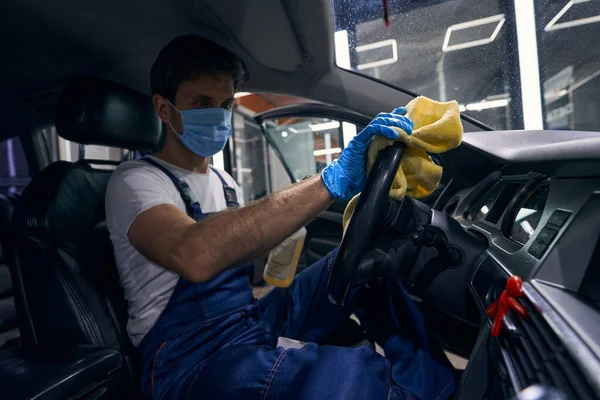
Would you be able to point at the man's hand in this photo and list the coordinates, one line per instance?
(347, 176)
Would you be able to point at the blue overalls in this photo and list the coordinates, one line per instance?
(215, 341)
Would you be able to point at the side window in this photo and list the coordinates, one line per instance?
(307, 145)
(58, 148)
(14, 172)
(252, 160)
(264, 159)
(93, 152)
(70, 151)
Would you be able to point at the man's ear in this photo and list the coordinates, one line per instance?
(162, 107)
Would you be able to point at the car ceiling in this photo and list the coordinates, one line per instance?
(287, 47)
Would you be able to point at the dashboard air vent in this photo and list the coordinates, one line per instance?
(538, 356)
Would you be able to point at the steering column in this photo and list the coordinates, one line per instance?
(384, 236)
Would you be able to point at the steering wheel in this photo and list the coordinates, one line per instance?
(370, 210)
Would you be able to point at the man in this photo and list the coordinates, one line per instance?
(186, 275)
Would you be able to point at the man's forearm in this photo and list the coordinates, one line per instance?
(229, 238)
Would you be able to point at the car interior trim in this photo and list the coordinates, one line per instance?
(516, 202)
(580, 352)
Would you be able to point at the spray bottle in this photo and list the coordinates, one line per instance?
(283, 260)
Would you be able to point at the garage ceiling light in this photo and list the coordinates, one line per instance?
(498, 19)
(378, 45)
(324, 126)
(324, 152)
(484, 105)
(296, 131)
(553, 25)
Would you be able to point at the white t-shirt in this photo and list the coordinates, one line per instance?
(135, 187)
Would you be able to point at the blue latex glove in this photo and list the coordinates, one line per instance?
(347, 176)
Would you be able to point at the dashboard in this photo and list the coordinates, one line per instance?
(546, 230)
(508, 209)
(539, 211)
(530, 220)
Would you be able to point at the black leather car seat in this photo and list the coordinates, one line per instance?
(9, 330)
(65, 259)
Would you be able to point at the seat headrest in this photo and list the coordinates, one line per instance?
(95, 111)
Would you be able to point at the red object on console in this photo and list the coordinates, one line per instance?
(386, 13)
(506, 302)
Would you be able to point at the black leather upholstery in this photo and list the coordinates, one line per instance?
(57, 372)
(94, 111)
(55, 218)
(9, 331)
(66, 262)
(67, 267)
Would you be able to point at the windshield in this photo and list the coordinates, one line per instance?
(532, 64)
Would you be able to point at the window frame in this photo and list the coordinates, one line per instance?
(15, 184)
(308, 110)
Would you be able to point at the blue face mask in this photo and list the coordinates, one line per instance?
(205, 130)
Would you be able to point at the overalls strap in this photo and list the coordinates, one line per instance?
(192, 206)
(230, 193)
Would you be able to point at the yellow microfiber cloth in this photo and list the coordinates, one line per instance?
(437, 129)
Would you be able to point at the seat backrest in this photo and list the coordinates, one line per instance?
(9, 331)
(54, 222)
(65, 258)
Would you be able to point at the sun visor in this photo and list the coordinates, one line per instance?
(261, 27)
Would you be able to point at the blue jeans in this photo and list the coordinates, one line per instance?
(233, 355)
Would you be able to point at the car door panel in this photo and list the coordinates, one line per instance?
(324, 234)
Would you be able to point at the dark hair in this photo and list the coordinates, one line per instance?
(187, 58)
